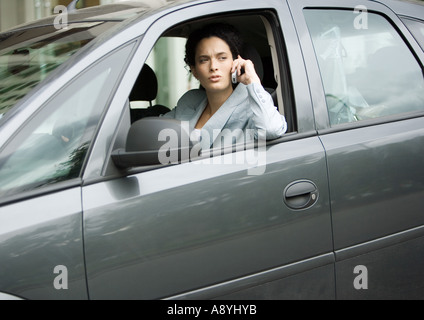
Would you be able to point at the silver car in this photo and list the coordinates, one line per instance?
(96, 203)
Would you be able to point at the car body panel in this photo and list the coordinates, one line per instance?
(36, 236)
(389, 201)
(239, 230)
(375, 196)
(222, 227)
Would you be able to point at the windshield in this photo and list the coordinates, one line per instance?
(28, 56)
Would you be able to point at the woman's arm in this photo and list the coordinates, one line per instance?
(267, 121)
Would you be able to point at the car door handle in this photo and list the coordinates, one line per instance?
(301, 194)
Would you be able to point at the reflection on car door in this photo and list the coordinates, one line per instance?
(185, 227)
(36, 236)
(376, 185)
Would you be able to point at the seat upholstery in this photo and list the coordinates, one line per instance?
(146, 89)
(250, 53)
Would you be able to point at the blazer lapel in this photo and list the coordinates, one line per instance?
(194, 117)
(217, 122)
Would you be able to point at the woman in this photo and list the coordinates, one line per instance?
(221, 108)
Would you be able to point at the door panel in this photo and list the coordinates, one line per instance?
(185, 227)
(377, 191)
(376, 180)
(37, 235)
(311, 284)
(392, 272)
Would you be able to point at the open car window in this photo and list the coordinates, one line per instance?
(165, 76)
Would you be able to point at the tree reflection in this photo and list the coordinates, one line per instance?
(70, 168)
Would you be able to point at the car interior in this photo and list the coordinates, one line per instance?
(150, 95)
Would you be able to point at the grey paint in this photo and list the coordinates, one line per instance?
(199, 230)
(240, 227)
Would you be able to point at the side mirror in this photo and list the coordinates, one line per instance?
(152, 141)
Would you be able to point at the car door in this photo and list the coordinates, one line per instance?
(214, 227)
(366, 71)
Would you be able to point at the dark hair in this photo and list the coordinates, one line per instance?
(224, 31)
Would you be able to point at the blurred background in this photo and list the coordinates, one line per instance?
(16, 12)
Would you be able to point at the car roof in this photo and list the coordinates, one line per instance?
(410, 8)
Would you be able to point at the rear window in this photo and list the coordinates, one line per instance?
(367, 71)
(28, 56)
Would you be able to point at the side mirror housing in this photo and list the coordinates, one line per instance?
(153, 141)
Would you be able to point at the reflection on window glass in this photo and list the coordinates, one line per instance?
(417, 29)
(53, 145)
(367, 71)
(28, 56)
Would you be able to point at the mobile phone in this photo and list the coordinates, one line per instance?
(234, 75)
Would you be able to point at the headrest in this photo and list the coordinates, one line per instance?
(146, 86)
(250, 53)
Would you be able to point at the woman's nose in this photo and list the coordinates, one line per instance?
(213, 65)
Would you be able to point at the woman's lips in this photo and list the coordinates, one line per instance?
(215, 78)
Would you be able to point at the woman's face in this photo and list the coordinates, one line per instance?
(213, 64)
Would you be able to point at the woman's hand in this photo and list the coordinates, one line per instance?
(249, 76)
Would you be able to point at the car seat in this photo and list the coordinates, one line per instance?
(250, 53)
(146, 89)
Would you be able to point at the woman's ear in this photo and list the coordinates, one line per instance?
(193, 71)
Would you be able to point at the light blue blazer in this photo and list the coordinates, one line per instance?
(249, 113)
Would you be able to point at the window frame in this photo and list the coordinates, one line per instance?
(281, 69)
(276, 47)
(411, 23)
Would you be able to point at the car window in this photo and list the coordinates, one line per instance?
(165, 78)
(28, 56)
(173, 76)
(417, 29)
(52, 145)
(367, 69)
(165, 66)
